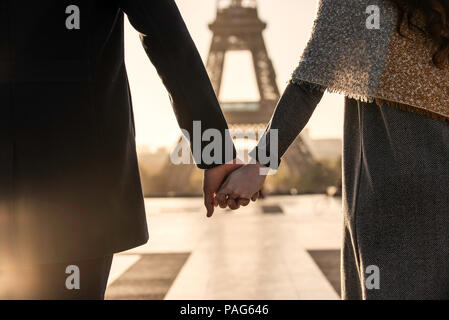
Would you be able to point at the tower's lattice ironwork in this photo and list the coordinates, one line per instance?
(238, 28)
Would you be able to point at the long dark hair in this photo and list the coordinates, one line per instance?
(436, 14)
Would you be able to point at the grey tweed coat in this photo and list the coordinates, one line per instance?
(395, 195)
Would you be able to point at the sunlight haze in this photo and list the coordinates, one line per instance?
(289, 27)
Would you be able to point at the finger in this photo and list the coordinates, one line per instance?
(222, 201)
(255, 197)
(209, 203)
(215, 201)
(222, 197)
(243, 202)
(232, 204)
(235, 195)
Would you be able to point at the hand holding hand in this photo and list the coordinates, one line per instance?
(213, 178)
(240, 187)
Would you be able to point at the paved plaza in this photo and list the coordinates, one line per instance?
(283, 247)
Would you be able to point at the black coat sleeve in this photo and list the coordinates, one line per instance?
(292, 114)
(172, 51)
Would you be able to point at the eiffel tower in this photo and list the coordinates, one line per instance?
(238, 28)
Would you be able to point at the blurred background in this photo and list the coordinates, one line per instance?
(285, 246)
(289, 24)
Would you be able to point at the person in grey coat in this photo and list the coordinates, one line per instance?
(395, 168)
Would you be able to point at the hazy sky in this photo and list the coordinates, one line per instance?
(289, 27)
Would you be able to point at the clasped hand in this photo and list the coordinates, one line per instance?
(242, 184)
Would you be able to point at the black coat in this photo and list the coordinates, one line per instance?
(69, 179)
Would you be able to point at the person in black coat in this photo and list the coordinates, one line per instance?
(70, 193)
